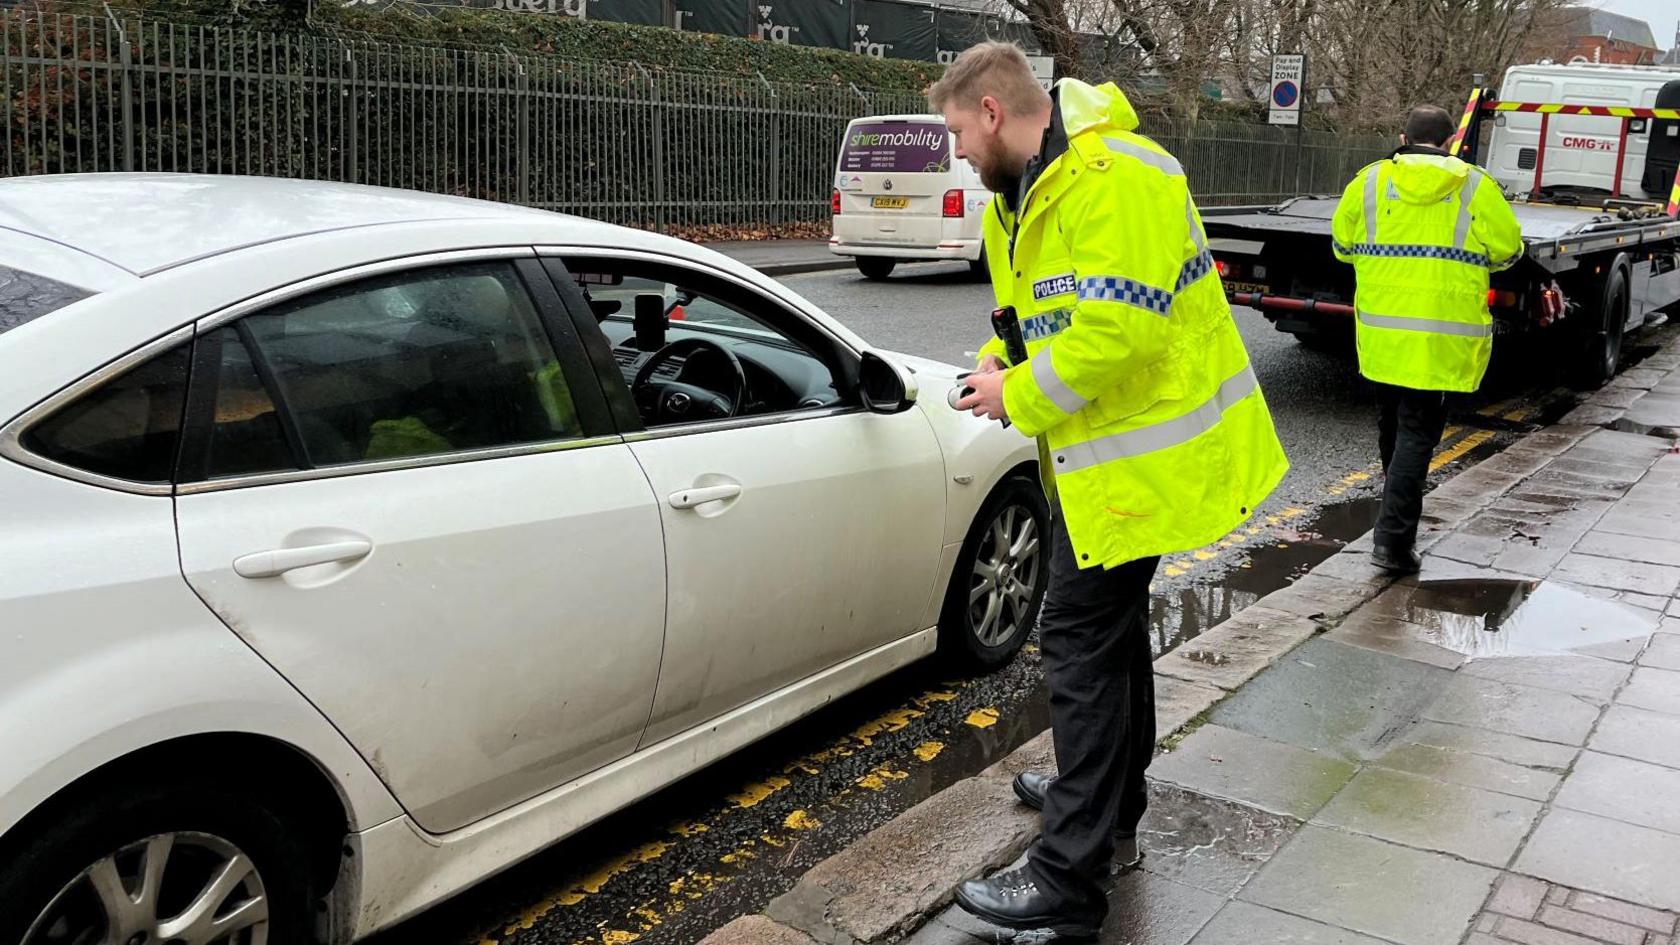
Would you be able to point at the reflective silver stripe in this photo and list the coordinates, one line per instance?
(1155, 159)
(1371, 206)
(1462, 233)
(1196, 232)
(1044, 372)
(1434, 325)
(1159, 436)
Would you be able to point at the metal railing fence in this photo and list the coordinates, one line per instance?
(623, 142)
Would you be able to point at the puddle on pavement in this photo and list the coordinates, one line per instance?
(1182, 613)
(1483, 618)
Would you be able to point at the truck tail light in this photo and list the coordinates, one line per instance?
(953, 203)
(1552, 304)
(1500, 298)
(1226, 270)
(834, 202)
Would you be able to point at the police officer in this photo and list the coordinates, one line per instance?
(1153, 435)
(1423, 230)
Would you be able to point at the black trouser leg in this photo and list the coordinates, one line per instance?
(1388, 417)
(1420, 416)
(1095, 636)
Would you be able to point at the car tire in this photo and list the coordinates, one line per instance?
(192, 831)
(1603, 342)
(1017, 508)
(979, 268)
(876, 268)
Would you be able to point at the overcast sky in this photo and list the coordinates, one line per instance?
(1661, 14)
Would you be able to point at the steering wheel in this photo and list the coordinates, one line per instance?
(675, 401)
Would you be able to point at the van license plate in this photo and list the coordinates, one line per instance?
(890, 203)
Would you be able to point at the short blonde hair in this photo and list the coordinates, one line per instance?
(991, 68)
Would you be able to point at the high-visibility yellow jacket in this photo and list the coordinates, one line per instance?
(1423, 231)
(1152, 426)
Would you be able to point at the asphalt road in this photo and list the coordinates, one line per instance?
(724, 842)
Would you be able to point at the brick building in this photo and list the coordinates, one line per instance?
(1599, 36)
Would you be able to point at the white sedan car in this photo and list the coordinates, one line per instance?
(356, 544)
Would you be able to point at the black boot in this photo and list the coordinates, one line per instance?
(1030, 787)
(1396, 560)
(1014, 901)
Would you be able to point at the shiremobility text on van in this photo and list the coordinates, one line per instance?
(901, 194)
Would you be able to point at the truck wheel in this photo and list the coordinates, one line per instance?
(1001, 574)
(876, 268)
(1604, 344)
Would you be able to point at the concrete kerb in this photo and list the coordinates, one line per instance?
(777, 270)
(887, 884)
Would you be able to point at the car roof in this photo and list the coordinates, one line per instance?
(146, 223)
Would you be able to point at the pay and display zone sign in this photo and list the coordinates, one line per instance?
(1288, 73)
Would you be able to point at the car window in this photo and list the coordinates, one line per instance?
(25, 296)
(644, 309)
(126, 428)
(419, 363)
(245, 433)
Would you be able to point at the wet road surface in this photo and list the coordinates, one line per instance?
(727, 840)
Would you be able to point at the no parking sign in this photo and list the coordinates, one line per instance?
(1287, 75)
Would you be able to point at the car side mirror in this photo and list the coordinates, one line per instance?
(886, 385)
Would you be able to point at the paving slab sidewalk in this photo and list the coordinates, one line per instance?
(1486, 753)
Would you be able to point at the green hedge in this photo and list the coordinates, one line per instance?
(651, 46)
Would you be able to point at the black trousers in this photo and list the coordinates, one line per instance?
(1408, 430)
(1094, 633)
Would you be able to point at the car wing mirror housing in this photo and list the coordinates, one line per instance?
(885, 385)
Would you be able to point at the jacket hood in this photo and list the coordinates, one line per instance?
(1084, 107)
(1427, 177)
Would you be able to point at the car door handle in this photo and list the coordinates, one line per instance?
(267, 564)
(700, 495)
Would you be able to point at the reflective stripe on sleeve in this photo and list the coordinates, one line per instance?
(1051, 383)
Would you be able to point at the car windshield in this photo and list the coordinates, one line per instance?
(899, 147)
(25, 296)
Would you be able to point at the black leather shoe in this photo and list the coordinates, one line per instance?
(1030, 787)
(1128, 855)
(1396, 560)
(1014, 901)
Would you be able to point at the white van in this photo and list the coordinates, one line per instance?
(1584, 151)
(901, 193)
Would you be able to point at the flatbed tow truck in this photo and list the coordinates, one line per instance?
(1595, 174)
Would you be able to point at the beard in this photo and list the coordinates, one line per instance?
(999, 181)
(997, 172)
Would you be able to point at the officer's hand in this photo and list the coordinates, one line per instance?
(991, 364)
(987, 397)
